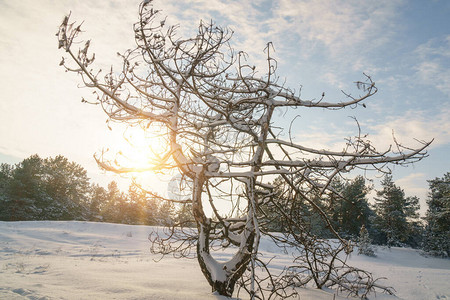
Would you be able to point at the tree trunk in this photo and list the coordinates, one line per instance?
(222, 277)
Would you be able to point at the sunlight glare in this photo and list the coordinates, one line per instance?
(141, 148)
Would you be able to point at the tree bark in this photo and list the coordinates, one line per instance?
(222, 277)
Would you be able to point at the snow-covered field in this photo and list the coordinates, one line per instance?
(83, 260)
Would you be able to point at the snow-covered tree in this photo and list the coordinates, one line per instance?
(437, 231)
(184, 215)
(396, 214)
(23, 193)
(166, 213)
(5, 200)
(351, 210)
(285, 200)
(142, 209)
(5, 176)
(216, 114)
(97, 199)
(114, 206)
(365, 243)
(44, 189)
(67, 184)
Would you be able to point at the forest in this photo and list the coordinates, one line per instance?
(55, 188)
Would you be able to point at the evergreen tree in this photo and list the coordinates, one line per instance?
(351, 211)
(365, 243)
(166, 213)
(114, 205)
(97, 201)
(396, 215)
(141, 208)
(23, 191)
(5, 177)
(43, 189)
(437, 231)
(67, 184)
(6, 202)
(279, 213)
(184, 215)
(415, 225)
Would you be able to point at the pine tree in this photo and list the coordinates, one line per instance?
(142, 209)
(275, 212)
(114, 207)
(5, 177)
(437, 231)
(395, 214)
(97, 201)
(6, 201)
(415, 225)
(67, 185)
(184, 215)
(365, 243)
(166, 213)
(43, 189)
(352, 211)
(24, 192)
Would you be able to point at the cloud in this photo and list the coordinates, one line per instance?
(343, 32)
(413, 124)
(343, 27)
(435, 74)
(335, 39)
(434, 47)
(408, 129)
(433, 66)
(245, 18)
(334, 80)
(412, 183)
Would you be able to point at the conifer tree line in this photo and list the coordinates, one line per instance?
(57, 189)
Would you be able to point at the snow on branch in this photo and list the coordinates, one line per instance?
(218, 115)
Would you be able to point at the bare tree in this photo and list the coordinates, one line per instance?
(216, 115)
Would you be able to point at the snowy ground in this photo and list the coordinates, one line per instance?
(82, 260)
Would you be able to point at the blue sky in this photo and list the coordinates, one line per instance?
(321, 45)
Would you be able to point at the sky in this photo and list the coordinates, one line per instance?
(320, 46)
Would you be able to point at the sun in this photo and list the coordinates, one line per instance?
(141, 148)
(137, 153)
